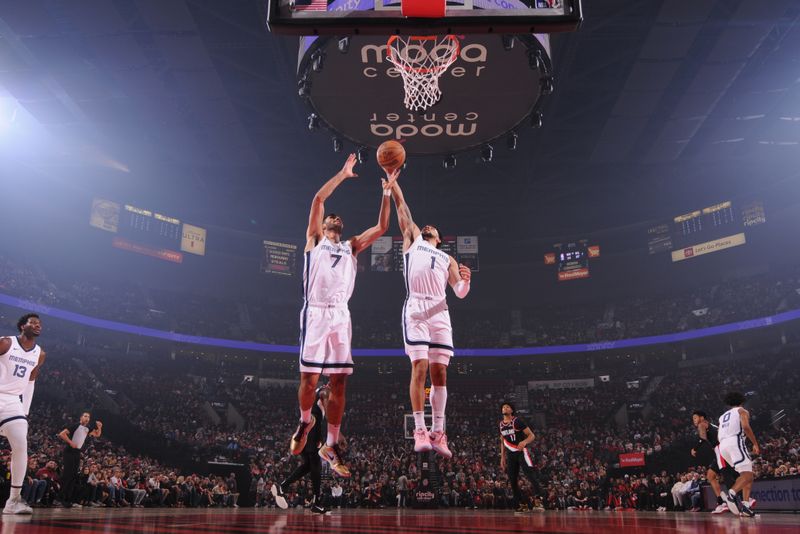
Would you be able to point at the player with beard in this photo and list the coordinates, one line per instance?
(21, 360)
(427, 331)
(329, 276)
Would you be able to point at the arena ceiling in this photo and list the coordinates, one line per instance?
(659, 106)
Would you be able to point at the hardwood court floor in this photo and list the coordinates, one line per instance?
(246, 520)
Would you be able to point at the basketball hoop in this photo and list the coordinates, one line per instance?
(421, 60)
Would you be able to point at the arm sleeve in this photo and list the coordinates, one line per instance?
(27, 396)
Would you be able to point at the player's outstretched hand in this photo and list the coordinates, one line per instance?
(347, 170)
(465, 272)
(391, 178)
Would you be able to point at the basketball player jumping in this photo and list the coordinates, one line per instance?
(328, 279)
(20, 361)
(426, 321)
(734, 425)
(707, 450)
(515, 436)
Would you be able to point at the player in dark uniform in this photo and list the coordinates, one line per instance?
(705, 450)
(515, 436)
(312, 463)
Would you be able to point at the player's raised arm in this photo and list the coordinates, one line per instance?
(459, 278)
(363, 240)
(409, 230)
(314, 232)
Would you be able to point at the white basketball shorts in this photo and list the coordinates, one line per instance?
(734, 451)
(325, 338)
(426, 329)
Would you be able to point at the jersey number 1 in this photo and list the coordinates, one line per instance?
(433, 262)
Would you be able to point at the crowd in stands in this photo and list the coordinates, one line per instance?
(476, 326)
(576, 448)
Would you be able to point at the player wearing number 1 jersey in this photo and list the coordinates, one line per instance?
(426, 320)
(329, 276)
(20, 361)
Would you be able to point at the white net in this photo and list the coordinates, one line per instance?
(421, 61)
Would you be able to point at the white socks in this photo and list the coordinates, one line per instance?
(438, 403)
(419, 421)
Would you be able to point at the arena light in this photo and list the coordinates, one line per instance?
(536, 120)
(546, 85)
(337, 145)
(511, 141)
(508, 42)
(304, 88)
(487, 153)
(363, 154)
(344, 45)
(449, 162)
(318, 60)
(313, 122)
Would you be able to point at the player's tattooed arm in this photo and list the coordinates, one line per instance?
(408, 228)
(317, 212)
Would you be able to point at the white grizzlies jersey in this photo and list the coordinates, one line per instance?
(329, 275)
(730, 424)
(16, 366)
(426, 269)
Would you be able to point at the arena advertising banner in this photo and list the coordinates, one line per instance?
(708, 247)
(467, 251)
(160, 253)
(193, 240)
(382, 259)
(279, 258)
(771, 494)
(631, 459)
(105, 215)
(576, 383)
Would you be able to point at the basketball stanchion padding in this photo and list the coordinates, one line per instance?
(429, 9)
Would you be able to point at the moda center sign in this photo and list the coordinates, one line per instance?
(488, 91)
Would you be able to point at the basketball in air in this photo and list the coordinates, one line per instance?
(391, 155)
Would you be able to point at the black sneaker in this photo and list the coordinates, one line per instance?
(300, 436)
(741, 506)
(319, 509)
(521, 509)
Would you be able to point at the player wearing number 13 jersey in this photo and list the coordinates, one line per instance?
(427, 332)
(329, 275)
(20, 361)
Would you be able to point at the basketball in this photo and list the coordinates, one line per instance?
(391, 155)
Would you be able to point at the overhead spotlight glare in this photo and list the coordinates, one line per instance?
(337, 145)
(344, 45)
(449, 162)
(487, 153)
(313, 122)
(511, 141)
(363, 154)
(536, 120)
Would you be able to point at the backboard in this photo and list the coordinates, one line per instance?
(384, 17)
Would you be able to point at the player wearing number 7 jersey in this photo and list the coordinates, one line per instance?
(426, 320)
(325, 331)
(20, 361)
